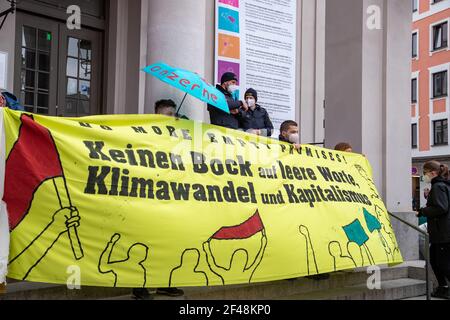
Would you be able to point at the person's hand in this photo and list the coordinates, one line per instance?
(115, 238)
(244, 106)
(255, 132)
(297, 146)
(234, 111)
(66, 218)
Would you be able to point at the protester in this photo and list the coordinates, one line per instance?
(437, 213)
(167, 108)
(289, 133)
(256, 119)
(426, 192)
(228, 85)
(8, 100)
(344, 147)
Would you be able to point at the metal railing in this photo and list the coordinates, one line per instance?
(426, 251)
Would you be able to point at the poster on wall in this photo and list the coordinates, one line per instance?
(256, 39)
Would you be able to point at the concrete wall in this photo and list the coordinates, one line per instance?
(180, 33)
(126, 53)
(7, 43)
(311, 70)
(367, 92)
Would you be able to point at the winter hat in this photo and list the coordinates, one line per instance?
(228, 76)
(251, 92)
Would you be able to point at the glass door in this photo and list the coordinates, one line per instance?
(36, 64)
(80, 72)
(57, 70)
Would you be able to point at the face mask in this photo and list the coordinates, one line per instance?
(251, 103)
(427, 179)
(232, 88)
(294, 138)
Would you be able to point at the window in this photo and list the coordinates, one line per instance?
(440, 36)
(440, 84)
(414, 45)
(440, 129)
(414, 136)
(415, 5)
(78, 76)
(35, 69)
(414, 91)
(436, 1)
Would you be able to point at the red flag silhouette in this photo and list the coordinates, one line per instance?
(33, 160)
(243, 231)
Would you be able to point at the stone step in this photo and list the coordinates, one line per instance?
(273, 290)
(424, 298)
(398, 289)
(267, 290)
(24, 290)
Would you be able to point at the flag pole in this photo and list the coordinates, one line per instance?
(181, 104)
(65, 202)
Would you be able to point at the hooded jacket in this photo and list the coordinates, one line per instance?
(437, 211)
(221, 118)
(257, 119)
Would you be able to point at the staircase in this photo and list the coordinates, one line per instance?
(405, 281)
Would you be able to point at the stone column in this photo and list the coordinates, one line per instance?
(181, 34)
(127, 53)
(368, 56)
(311, 73)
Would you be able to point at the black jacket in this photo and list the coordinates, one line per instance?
(257, 119)
(221, 118)
(437, 211)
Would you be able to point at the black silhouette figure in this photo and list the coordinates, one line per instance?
(311, 264)
(132, 268)
(355, 252)
(238, 267)
(62, 221)
(396, 250)
(335, 250)
(190, 260)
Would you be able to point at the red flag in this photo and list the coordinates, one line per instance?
(33, 160)
(243, 231)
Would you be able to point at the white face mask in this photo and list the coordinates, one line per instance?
(427, 179)
(294, 138)
(233, 88)
(251, 103)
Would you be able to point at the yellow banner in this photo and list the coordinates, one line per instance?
(151, 201)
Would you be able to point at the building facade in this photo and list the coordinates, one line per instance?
(351, 77)
(429, 88)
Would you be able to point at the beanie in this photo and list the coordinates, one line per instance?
(251, 92)
(228, 76)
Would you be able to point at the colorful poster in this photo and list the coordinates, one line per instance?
(228, 20)
(267, 61)
(233, 3)
(226, 66)
(229, 46)
(150, 201)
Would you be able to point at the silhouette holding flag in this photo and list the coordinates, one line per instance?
(355, 233)
(33, 160)
(373, 224)
(238, 267)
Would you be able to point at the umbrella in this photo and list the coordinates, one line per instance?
(190, 83)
